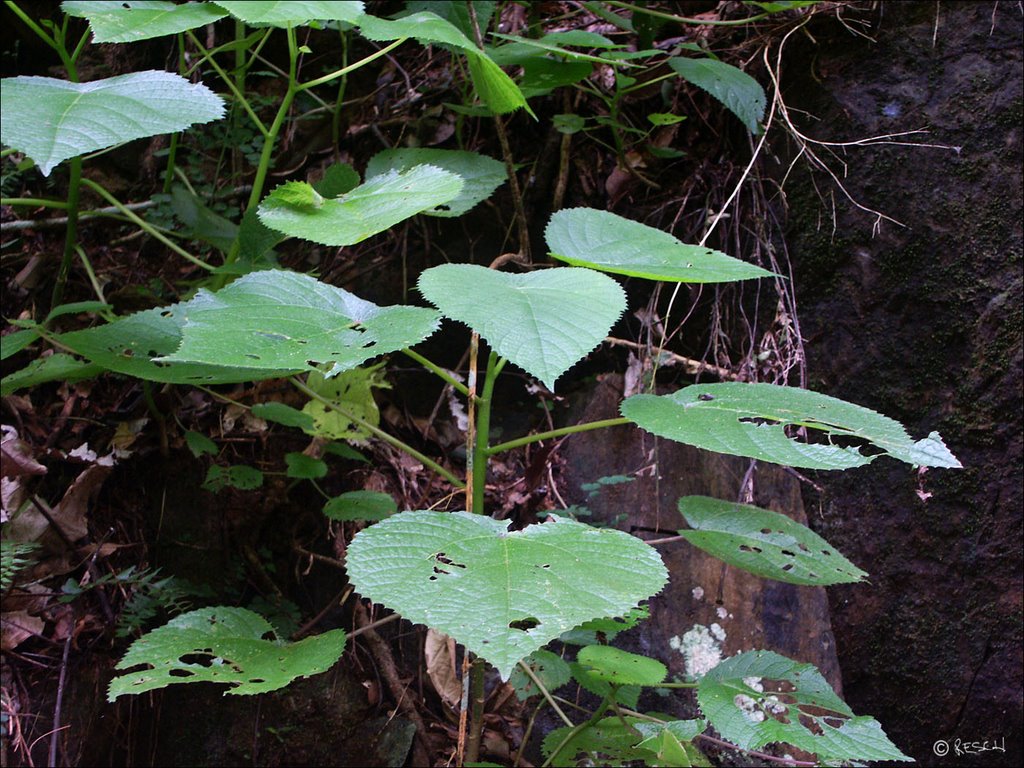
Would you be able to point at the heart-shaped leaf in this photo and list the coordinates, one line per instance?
(503, 595)
(601, 240)
(296, 209)
(282, 13)
(749, 419)
(223, 645)
(618, 667)
(544, 321)
(759, 697)
(481, 175)
(52, 120)
(739, 92)
(113, 21)
(276, 320)
(764, 543)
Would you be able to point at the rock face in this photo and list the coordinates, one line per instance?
(731, 609)
(923, 323)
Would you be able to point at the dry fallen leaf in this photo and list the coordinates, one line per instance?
(16, 627)
(439, 652)
(16, 455)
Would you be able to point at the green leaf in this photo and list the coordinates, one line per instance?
(114, 21)
(542, 75)
(543, 321)
(764, 543)
(201, 223)
(360, 505)
(601, 240)
(568, 123)
(56, 367)
(665, 118)
(760, 697)
(283, 414)
(493, 86)
(275, 320)
(53, 120)
(338, 179)
(608, 742)
(199, 444)
(304, 467)
(749, 419)
(480, 175)
(377, 204)
(618, 667)
(239, 476)
(501, 594)
(551, 669)
(283, 13)
(353, 392)
(222, 645)
(739, 92)
(456, 12)
(672, 742)
(13, 343)
(345, 452)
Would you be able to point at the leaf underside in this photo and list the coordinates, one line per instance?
(501, 594)
(544, 321)
(795, 705)
(587, 237)
(222, 645)
(739, 92)
(764, 543)
(282, 13)
(748, 420)
(114, 21)
(53, 120)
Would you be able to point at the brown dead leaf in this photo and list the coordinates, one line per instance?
(71, 512)
(439, 652)
(16, 627)
(16, 457)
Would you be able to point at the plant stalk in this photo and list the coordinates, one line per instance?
(477, 696)
(521, 441)
(481, 452)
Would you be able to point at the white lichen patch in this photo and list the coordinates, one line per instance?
(754, 683)
(748, 707)
(722, 613)
(701, 650)
(718, 632)
(698, 593)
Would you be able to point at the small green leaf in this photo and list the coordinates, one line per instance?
(129, 22)
(199, 444)
(345, 452)
(601, 240)
(739, 92)
(618, 667)
(284, 13)
(56, 367)
(544, 321)
(665, 118)
(53, 120)
(481, 175)
(749, 419)
(551, 669)
(276, 320)
(222, 645)
(764, 543)
(759, 697)
(501, 594)
(239, 476)
(360, 505)
(304, 467)
(608, 742)
(377, 204)
(568, 123)
(13, 343)
(672, 742)
(352, 391)
(338, 179)
(283, 414)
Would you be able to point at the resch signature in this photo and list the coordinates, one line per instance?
(961, 747)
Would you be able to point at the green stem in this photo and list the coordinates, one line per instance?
(34, 202)
(229, 82)
(686, 19)
(145, 225)
(439, 371)
(351, 67)
(545, 692)
(519, 442)
(378, 432)
(483, 428)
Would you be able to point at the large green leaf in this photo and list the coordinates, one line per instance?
(501, 594)
(283, 13)
(222, 645)
(764, 542)
(114, 21)
(750, 419)
(276, 320)
(739, 92)
(52, 120)
(760, 697)
(297, 209)
(601, 240)
(494, 87)
(481, 175)
(543, 321)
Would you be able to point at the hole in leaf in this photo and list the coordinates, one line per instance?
(199, 659)
(127, 353)
(826, 553)
(811, 724)
(766, 531)
(524, 624)
(251, 356)
(835, 722)
(257, 680)
(787, 567)
(788, 553)
(745, 548)
(542, 565)
(181, 673)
